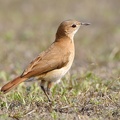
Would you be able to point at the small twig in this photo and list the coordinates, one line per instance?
(65, 107)
(30, 112)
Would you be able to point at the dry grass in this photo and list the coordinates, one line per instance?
(91, 90)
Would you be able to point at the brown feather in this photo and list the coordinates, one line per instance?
(48, 60)
(10, 85)
(51, 59)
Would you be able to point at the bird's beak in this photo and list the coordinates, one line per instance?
(85, 23)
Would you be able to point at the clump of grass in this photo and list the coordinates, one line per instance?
(87, 95)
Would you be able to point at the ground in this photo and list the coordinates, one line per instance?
(91, 89)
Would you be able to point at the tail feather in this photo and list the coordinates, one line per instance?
(10, 85)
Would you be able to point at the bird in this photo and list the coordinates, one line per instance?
(53, 63)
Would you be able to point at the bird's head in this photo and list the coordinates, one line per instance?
(69, 28)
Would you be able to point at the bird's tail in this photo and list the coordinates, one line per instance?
(10, 85)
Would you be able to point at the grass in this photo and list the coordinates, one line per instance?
(89, 97)
(91, 90)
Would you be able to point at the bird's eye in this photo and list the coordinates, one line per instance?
(73, 25)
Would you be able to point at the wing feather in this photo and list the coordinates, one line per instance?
(49, 60)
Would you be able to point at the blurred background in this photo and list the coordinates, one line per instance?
(28, 27)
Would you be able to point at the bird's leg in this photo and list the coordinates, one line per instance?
(49, 85)
(44, 90)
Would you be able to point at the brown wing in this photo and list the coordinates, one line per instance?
(49, 60)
